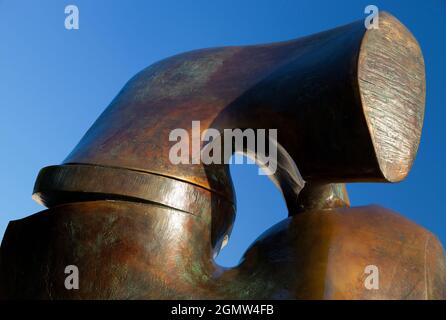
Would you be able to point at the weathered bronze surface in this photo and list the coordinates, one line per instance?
(348, 104)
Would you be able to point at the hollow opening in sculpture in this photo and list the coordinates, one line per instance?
(266, 206)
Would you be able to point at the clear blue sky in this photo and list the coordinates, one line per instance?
(54, 83)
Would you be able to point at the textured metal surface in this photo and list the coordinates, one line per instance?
(392, 85)
(348, 105)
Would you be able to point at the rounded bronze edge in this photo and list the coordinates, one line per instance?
(56, 185)
(392, 87)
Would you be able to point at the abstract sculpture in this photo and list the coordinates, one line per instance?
(348, 106)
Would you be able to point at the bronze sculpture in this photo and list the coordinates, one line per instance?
(348, 104)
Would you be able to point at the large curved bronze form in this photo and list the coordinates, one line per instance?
(348, 104)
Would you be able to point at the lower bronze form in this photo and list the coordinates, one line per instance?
(128, 250)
